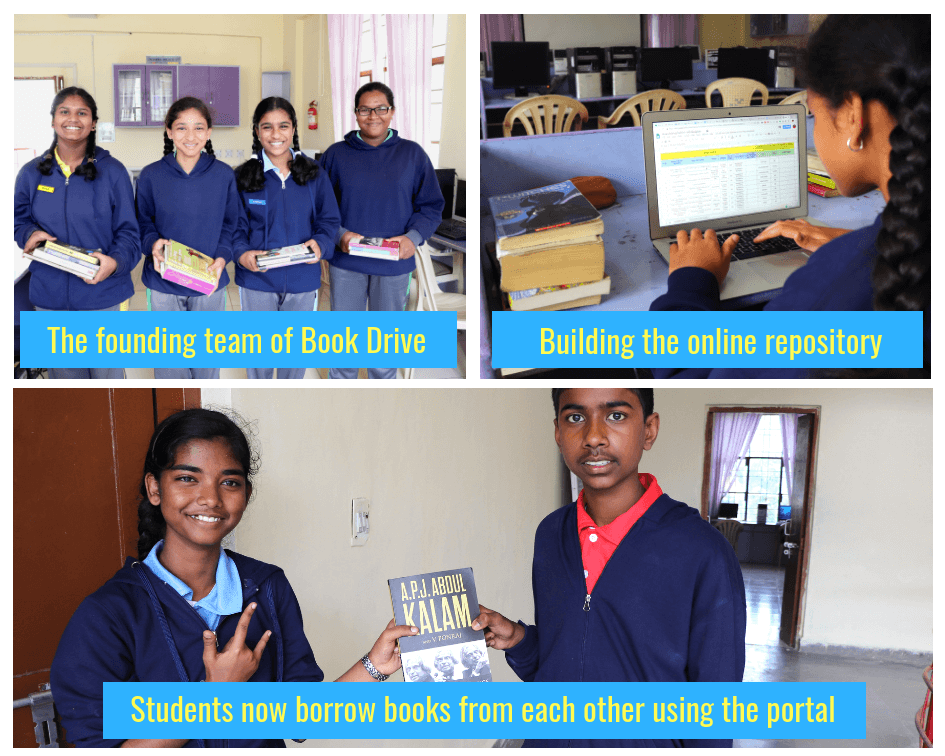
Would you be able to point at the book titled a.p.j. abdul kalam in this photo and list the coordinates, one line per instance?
(442, 605)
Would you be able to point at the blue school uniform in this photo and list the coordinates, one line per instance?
(95, 214)
(117, 635)
(281, 214)
(199, 209)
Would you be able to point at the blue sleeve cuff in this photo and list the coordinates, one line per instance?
(689, 289)
(415, 237)
(523, 657)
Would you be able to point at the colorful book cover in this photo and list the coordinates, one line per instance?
(382, 249)
(69, 265)
(822, 191)
(79, 253)
(542, 209)
(297, 253)
(815, 178)
(186, 266)
(442, 605)
(53, 251)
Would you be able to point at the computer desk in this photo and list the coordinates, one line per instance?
(637, 272)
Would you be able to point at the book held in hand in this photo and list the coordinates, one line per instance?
(442, 605)
(381, 249)
(282, 256)
(76, 260)
(186, 266)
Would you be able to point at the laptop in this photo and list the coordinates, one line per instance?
(734, 170)
(455, 226)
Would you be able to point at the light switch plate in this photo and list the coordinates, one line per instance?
(360, 521)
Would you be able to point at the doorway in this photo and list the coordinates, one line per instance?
(760, 493)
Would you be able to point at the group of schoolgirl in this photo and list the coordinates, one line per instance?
(372, 184)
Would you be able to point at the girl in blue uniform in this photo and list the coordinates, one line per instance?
(286, 200)
(869, 90)
(189, 197)
(187, 610)
(78, 194)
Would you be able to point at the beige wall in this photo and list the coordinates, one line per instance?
(456, 478)
(453, 137)
(870, 577)
(732, 30)
(590, 30)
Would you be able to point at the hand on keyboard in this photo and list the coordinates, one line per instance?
(696, 250)
(802, 233)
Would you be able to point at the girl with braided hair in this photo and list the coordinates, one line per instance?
(78, 194)
(189, 197)
(869, 90)
(286, 200)
(186, 609)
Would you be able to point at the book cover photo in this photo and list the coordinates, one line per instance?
(442, 605)
(186, 266)
(370, 246)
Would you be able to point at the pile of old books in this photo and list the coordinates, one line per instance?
(818, 180)
(67, 257)
(549, 248)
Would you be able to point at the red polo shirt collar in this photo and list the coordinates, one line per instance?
(598, 543)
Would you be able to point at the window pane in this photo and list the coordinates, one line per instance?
(129, 94)
(438, 72)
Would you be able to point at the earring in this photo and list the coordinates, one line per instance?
(855, 149)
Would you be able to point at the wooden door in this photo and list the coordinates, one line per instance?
(77, 462)
(795, 547)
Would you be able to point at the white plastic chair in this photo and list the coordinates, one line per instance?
(430, 298)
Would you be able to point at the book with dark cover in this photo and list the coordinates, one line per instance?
(442, 605)
(557, 212)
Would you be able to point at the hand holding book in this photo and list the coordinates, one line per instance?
(384, 654)
(36, 238)
(501, 632)
(106, 266)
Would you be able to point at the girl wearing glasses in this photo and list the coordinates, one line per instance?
(386, 188)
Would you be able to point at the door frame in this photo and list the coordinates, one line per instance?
(806, 527)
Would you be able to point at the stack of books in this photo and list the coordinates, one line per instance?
(68, 258)
(282, 256)
(186, 266)
(379, 249)
(549, 248)
(818, 180)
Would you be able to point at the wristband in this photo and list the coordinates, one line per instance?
(372, 670)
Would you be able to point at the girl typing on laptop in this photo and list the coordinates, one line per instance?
(869, 90)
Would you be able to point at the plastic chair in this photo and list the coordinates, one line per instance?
(654, 99)
(538, 115)
(730, 529)
(736, 92)
(430, 298)
(800, 97)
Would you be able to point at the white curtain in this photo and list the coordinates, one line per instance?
(410, 73)
(789, 443)
(344, 54)
(670, 29)
(731, 435)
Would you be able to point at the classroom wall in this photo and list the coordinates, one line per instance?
(453, 136)
(45, 44)
(870, 569)
(733, 30)
(599, 30)
(456, 478)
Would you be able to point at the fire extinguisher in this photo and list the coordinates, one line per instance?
(313, 115)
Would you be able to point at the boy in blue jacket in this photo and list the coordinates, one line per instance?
(629, 585)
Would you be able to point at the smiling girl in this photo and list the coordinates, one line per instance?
(187, 610)
(189, 197)
(286, 200)
(78, 194)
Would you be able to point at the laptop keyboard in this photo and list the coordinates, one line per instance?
(746, 249)
(452, 229)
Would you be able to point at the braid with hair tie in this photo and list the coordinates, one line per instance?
(88, 169)
(168, 144)
(901, 279)
(303, 169)
(209, 147)
(151, 526)
(45, 165)
(250, 176)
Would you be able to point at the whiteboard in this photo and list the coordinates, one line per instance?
(32, 129)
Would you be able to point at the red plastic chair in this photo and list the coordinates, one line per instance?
(923, 718)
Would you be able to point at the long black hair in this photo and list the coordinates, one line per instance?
(250, 176)
(888, 59)
(186, 103)
(87, 169)
(176, 430)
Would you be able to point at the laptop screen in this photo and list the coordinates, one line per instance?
(459, 210)
(713, 168)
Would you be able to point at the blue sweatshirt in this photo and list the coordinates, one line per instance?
(838, 276)
(384, 191)
(199, 209)
(669, 606)
(97, 214)
(281, 214)
(116, 635)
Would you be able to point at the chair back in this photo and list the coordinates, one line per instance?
(547, 114)
(800, 97)
(736, 92)
(730, 529)
(653, 99)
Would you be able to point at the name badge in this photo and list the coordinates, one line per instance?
(49, 189)
(257, 202)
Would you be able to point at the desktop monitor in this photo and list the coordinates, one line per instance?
(446, 178)
(520, 66)
(728, 511)
(747, 63)
(665, 64)
(459, 200)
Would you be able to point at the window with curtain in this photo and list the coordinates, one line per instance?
(762, 473)
(670, 29)
(374, 37)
